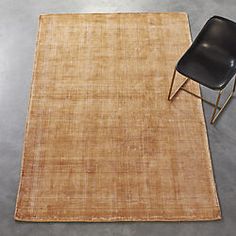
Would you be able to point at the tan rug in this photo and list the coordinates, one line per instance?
(102, 142)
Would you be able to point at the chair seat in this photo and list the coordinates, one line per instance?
(211, 60)
(204, 65)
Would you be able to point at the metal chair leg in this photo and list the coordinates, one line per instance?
(171, 86)
(170, 97)
(214, 116)
(234, 84)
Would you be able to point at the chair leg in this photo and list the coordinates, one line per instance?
(216, 106)
(170, 97)
(171, 85)
(234, 84)
(214, 116)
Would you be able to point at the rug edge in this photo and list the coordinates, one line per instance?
(28, 115)
(206, 138)
(119, 219)
(111, 13)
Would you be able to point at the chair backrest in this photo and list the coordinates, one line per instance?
(219, 33)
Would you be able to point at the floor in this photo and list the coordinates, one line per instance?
(18, 29)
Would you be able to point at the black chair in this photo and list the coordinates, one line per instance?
(210, 61)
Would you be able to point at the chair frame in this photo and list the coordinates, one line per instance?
(216, 106)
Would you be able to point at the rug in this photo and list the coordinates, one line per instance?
(102, 142)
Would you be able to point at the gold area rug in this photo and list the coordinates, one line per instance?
(102, 142)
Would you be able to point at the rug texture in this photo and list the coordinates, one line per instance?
(102, 142)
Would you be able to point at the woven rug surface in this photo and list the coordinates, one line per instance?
(102, 142)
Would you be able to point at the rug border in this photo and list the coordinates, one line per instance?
(111, 219)
(28, 117)
(211, 169)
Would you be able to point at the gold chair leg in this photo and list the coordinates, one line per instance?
(171, 85)
(214, 116)
(234, 84)
(203, 99)
(170, 97)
